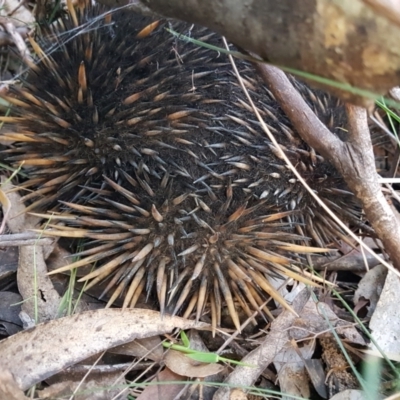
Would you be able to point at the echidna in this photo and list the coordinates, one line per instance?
(150, 144)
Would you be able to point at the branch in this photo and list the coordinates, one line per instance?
(307, 124)
(328, 38)
(360, 174)
(353, 159)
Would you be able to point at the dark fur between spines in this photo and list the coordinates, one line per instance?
(152, 148)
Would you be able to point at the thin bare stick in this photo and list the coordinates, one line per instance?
(353, 159)
(23, 239)
(331, 141)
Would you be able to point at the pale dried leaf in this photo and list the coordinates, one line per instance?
(395, 93)
(370, 287)
(20, 14)
(291, 371)
(18, 221)
(79, 337)
(41, 300)
(196, 342)
(385, 322)
(312, 322)
(349, 394)
(377, 353)
(279, 283)
(181, 364)
(33, 281)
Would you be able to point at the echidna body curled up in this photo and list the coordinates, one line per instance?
(148, 146)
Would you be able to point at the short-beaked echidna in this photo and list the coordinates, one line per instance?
(152, 147)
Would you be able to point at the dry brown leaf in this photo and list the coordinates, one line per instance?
(9, 389)
(237, 394)
(150, 347)
(58, 258)
(94, 387)
(163, 392)
(181, 364)
(36, 354)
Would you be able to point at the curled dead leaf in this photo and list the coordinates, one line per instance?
(183, 365)
(8, 387)
(50, 347)
(150, 348)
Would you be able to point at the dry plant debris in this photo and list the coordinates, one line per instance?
(42, 302)
(339, 377)
(370, 288)
(385, 321)
(167, 392)
(114, 326)
(79, 337)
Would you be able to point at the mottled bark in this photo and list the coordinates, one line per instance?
(344, 41)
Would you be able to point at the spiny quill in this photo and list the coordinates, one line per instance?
(188, 253)
(151, 147)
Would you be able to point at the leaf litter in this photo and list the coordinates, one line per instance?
(37, 353)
